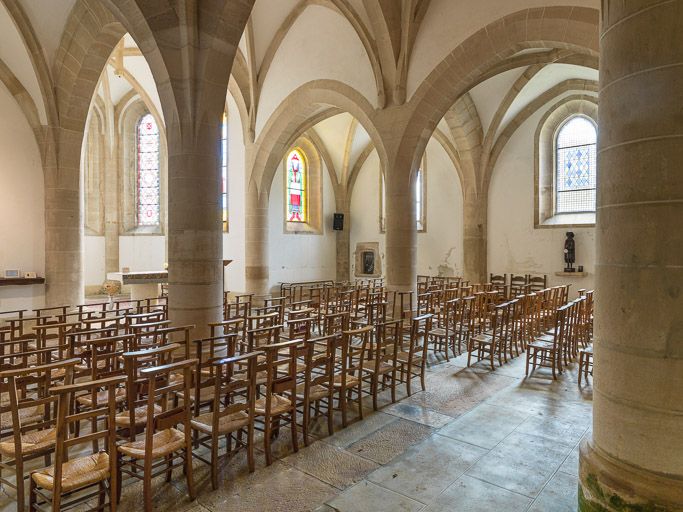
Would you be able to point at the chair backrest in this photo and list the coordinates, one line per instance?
(280, 367)
(134, 363)
(385, 343)
(335, 322)
(258, 337)
(234, 387)
(354, 346)
(420, 328)
(26, 388)
(163, 382)
(537, 283)
(320, 363)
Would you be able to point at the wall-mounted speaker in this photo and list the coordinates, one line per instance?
(338, 224)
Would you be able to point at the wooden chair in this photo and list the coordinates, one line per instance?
(487, 344)
(585, 362)
(279, 400)
(64, 484)
(316, 390)
(549, 351)
(232, 412)
(163, 443)
(32, 428)
(412, 360)
(134, 415)
(537, 283)
(348, 377)
(518, 285)
(381, 364)
(443, 335)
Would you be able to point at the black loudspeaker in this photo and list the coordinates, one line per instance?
(338, 224)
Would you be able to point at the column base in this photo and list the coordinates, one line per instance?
(609, 485)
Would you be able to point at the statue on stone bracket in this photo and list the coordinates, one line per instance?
(569, 252)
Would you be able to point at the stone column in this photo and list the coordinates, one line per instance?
(475, 217)
(63, 220)
(634, 460)
(401, 231)
(113, 164)
(195, 230)
(343, 272)
(256, 236)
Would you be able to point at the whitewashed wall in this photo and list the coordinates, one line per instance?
(22, 211)
(514, 245)
(300, 256)
(233, 241)
(439, 249)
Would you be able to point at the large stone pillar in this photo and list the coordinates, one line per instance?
(401, 230)
(475, 218)
(256, 236)
(195, 229)
(634, 460)
(63, 221)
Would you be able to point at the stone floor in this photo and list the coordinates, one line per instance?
(476, 440)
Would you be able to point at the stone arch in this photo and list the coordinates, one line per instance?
(291, 119)
(569, 28)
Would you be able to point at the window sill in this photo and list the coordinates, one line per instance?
(568, 220)
(296, 228)
(144, 231)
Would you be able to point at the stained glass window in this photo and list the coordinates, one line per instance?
(148, 171)
(224, 170)
(296, 187)
(419, 200)
(576, 161)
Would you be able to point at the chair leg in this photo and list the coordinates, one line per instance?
(342, 405)
(19, 471)
(147, 486)
(306, 421)
(188, 471)
(267, 431)
(360, 397)
(374, 390)
(214, 461)
(295, 435)
(580, 367)
(32, 496)
(250, 448)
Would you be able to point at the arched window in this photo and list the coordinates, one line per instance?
(297, 193)
(147, 193)
(575, 166)
(224, 170)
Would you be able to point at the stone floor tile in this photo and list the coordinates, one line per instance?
(551, 427)
(426, 469)
(276, 488)
(485, 426)
(332, 465)
(471, 495)
(571, 463)
(521, 463)
(366, 496)
(560, 495)
(359, 429)
(459, 391)
(390, 441)
(418, 414)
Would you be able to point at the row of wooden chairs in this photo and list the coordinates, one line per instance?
(252, 372)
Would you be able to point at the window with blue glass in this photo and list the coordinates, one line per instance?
(576, 166)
